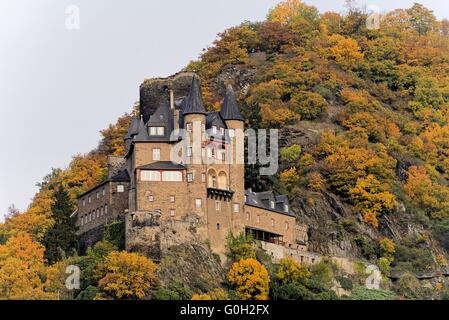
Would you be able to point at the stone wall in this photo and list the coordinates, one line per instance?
(89, 238)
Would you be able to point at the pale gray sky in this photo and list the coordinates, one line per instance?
(58, 88)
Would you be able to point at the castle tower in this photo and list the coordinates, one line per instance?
(194, 115)
(234, 121)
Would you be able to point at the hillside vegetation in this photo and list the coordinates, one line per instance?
(376, 106)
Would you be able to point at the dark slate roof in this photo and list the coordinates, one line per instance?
(162, 117)
(122, 175)
(262, 200)
(193, 104)
(163, 165)
(143, 132)
(230, 109)
(133, 128)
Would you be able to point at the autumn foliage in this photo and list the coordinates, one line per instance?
(250, 279)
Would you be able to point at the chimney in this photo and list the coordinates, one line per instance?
(176, 119)
(172, 100)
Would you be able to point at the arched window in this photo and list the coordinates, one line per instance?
(212, 179)
(222, 181)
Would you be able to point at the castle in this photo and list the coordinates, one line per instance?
(205, 191)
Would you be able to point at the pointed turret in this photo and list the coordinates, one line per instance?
(133, 128)
(194, 102)
(143, 132)
(230, 109)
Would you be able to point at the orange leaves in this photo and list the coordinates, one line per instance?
(345, 51)
(21, 269)
(127, 275)
(250, 279)
(372, 199)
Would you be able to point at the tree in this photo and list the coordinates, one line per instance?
(422, 19)
(22, 269)
(250, 279)
(61, 238)
(127, 275)
(309, 105)
(290, 271)
(240, 247)
(291, 153)
(345, 51)
(372, 199)
(216, 294)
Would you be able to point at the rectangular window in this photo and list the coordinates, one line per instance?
(218, 226)
(172, 176)
(90, 217)
(151, 198)
(203, 177)
(285, 208)
(217, 205)
(190, 177)
(189, 151)
(198, 203)
(272, 204)
(120, 188)
(101, 211)
(222, 131)
(247, 217)
(258, 218)
(89, 199)
(104, 192)
(172, 213)
(236, 208)
(106, 209)
(156, 154)
(214, 129)
(84, 202)
(150, 175)
(157, 131)
(223, 155)
(98, 195)
(231, 133)
(189, 127)
(82, 221)
(272, 222)
(172, 199)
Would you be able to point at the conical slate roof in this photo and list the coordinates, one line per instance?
(133, 128)
(230, 109)
(194, 102)
(143, 132)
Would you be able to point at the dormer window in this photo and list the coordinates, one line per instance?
(157, 131)
(214, 129)
(285, 207)
(222, 131)
(272, 204)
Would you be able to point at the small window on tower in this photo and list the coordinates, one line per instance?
(236, 208)
(189, 151)
(120, 188)
(190, 177)
(189, 127)
(156, 154)
(172, 199)
(217, 205)
(198, 203)
(231, 133)
(172, 213)
(151, 198)
(218, 226)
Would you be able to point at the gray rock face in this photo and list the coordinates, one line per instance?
(153, 92)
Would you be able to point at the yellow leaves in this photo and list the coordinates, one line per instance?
(21, 269)
(127, 275)
(290, 271)
(289, 177)
(216, 294)
(387, 247)
(345, 51)
(316, 182)
(372, 199)
(284, 11)
(277, 117)
(429, 195)
(250, 279)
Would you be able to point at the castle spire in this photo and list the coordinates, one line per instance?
(230, 109)
(133, 128)
(143, 133)
(194, 102)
